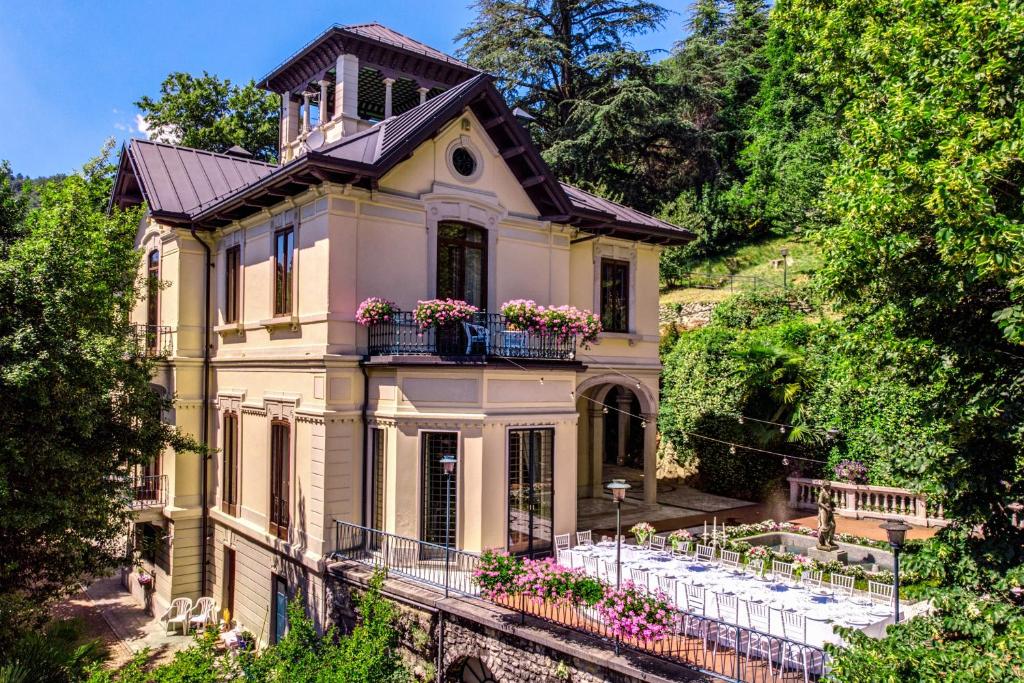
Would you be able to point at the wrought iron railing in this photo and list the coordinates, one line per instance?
(724, 651)
(486, 335)
(153, 340)
(408, 557)
(149, 491)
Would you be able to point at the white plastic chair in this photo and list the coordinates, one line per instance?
(561, 544)
(727, 634)
(759, 618)
(590, 566)
(811, 578)
(794, 653)
(640, 577)
(669, 586)
(584, 538)
(728, 608)
(178, 613)
(695, 599)
(474, 334)
(755, 567)
(880, 592)
(657, 542)
(706, 553)
(204, 612)
(693, 622)
(730, 559)
(782, 570)
(841, 584)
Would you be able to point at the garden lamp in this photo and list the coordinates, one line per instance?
(896, 530)
(618, 488)
(448, 465)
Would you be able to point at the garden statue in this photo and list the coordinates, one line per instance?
(826, 519)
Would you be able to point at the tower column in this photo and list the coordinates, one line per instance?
(423, 94)
(322, 119)
(388, 82)
(305, 113)
(346, 90)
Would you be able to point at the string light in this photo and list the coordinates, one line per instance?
(732, 450)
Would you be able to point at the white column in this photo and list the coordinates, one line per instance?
(346, 87)
(305, 113)
(323, 102)
(625, 403)
(423, 94)
(388, 82)
(596, 415)
(289, 118)
(651, 459)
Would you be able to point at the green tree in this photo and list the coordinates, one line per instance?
(208, 113)
(79, 412)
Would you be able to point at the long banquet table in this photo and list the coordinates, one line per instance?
(822, 609)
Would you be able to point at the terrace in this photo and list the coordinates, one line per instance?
(485, 335)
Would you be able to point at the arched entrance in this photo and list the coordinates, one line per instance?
(472, 670)
(617, 429)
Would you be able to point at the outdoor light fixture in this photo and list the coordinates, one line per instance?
(896, 530)
(448, 464)
(618, 488)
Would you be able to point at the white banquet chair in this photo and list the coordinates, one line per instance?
(728, 608)
(841, 584)
(639, 577)
(782, 570)
(604, 567)
(584, 537)
(177, 614)
(755, 567)
(811, 578)
(880, 592)
(706, 553)
(561, 545)
(726, 629)
(657, 542)
(669, 586)
(694, 623)
(590, 566)
(759, 645)
(202, 614)
(730, 559)
(794, 652)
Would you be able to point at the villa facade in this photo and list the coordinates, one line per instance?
(404, 176)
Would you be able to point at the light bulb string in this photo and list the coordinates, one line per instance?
(643, 420)
(704, 436)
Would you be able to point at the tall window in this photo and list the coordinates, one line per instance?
(434, 446)
(152, 298)
(232, 281)
(531, 460)
(462, 263)
(229, 499)
(229, 582)
(377, 469)
(280, 446)
(284, 265)
(614, 295)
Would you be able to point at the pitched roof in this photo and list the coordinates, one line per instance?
(178, 180)
(374, 44)
(209, 190)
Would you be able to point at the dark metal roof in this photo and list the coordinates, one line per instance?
(194, 188)
(374, 44)
(178, 180)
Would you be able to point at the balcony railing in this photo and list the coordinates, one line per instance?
(724, 651)
(149, 491)
(487, 335)
(153, 341)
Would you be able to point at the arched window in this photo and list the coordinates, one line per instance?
(462, 263)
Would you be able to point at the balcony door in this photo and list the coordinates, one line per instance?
(531, 460)
(462, 263)
(440, 503)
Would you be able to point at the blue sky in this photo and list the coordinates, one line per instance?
(70, 71)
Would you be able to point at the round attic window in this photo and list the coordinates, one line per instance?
(463, 162)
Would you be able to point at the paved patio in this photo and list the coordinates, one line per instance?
(132, 628)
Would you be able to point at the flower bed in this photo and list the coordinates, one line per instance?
(627, 611)
(443, 312)
(375, 310)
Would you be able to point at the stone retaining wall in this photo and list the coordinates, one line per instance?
(686, 316)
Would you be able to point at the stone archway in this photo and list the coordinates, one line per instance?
(471, 670)
(614, 397)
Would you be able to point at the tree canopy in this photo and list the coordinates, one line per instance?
(79, 411)
(208, 113)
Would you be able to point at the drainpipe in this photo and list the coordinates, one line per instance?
(205, 426)
(364, 517)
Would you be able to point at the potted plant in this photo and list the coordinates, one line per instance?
(375, 310)
(445, 317)
(566, 322)
(642, 532)
(522, 314)
(145, 580)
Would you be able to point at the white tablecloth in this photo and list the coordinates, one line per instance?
(823, 612)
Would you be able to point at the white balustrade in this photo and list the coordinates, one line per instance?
(861, 500)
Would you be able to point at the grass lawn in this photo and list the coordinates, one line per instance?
(748, 261)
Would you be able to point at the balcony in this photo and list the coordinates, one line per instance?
(488, 335)
(149, 492)
(153, 341)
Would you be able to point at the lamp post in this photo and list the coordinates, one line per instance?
(785, 266)
(896, 530)
(618, 488)
(448, 463)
